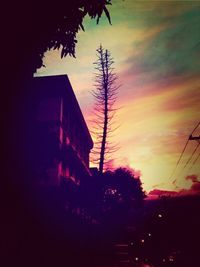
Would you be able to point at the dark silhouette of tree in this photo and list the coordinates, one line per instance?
(105, 94)
(116, 192)
(123, 186)
(32, 29)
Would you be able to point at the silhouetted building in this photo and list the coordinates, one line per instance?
(59, 140)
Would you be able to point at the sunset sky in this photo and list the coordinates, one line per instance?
(156, 49)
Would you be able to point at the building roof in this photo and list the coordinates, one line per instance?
(59, 86)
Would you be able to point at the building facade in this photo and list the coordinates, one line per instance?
(59, 137)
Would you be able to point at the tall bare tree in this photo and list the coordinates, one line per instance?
(105, 94)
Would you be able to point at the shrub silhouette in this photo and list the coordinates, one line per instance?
(114, 193)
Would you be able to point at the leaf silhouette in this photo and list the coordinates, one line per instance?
(81, 25)
(107, 14)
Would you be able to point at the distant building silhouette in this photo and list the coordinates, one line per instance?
(59, 141)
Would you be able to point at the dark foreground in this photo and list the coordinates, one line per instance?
(164, 232)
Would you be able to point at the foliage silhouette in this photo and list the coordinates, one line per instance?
(116, 192)
(123, 186)
(32, 29)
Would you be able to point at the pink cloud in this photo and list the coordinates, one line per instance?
(159, 193)
(193, 190)
(192, 177)
(195, 187)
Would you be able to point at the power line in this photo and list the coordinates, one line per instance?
(189, 158)
(180, 157)
(195, 127)
(194, 161)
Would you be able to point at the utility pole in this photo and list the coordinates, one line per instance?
(196, 138)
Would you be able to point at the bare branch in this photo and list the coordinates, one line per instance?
(105, 95)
